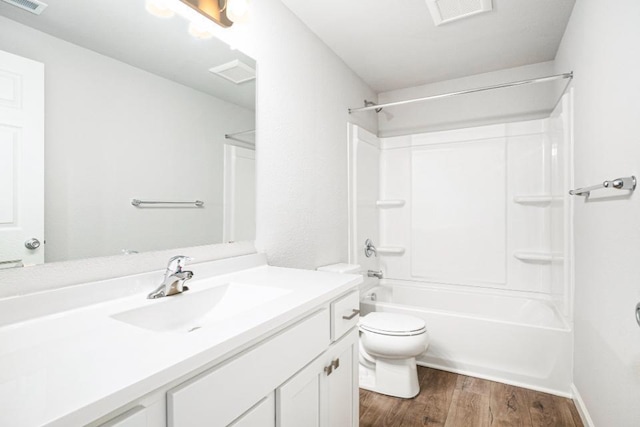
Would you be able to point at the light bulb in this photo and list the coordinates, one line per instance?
(159, 8)
(238, 10)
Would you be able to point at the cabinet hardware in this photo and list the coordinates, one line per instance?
(355, 313)
(638, 313)
(335, 364)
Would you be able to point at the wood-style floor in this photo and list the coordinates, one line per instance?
(453, 400)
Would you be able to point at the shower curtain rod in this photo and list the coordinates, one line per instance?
(464, 92)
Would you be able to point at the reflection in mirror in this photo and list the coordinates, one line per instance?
(102, 103)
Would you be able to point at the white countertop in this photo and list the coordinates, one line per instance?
(72, 367)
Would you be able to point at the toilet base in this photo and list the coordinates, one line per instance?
(398, 378)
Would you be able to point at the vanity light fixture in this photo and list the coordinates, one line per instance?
(222, 12)
(201, 14)
(238, 10)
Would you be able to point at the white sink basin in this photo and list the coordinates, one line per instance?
(193, 310)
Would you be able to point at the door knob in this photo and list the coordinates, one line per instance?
(32, 244)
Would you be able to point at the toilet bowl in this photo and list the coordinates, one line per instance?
(389, 345)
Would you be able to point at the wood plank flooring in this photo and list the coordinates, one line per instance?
(452, 400)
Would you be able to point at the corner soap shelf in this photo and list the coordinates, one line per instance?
(390, 203)
(391, 250)
(536, 200)
(538, 256)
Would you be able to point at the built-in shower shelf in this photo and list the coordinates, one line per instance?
(391, 250)
(390, 203)
(538, 256)
(536, 200)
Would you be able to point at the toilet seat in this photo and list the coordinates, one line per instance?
(392, 324)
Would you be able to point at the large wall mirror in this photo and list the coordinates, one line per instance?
(129, 109)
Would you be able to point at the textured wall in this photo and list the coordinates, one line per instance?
(304, 91)
(601, 46)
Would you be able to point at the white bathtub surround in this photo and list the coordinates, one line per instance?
(70, 366)
(600, 45)
(515, 340)
(481, 247)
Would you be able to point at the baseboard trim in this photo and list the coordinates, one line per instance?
(567, 394)
(581, 407)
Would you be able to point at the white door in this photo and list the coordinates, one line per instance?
(239, 217)
(21, 160)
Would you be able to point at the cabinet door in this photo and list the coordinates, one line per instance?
(325, 393)
(339, 389)
(298, 400)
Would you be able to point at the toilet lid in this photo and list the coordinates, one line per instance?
(392, 324)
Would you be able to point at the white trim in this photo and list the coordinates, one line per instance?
(496, 379)
(581, 407)
(231, 153)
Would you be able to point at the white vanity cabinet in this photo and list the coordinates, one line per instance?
(219, 396)
(298, 377)
(303, 375)
(325, 393)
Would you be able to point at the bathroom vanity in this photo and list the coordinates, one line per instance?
(247, 345)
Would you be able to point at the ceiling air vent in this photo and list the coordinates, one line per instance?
(444, 11)
(33, 6)
(235, 71)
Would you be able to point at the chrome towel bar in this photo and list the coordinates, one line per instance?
(138, 203)
(627, 183)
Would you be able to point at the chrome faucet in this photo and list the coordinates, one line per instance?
(174, 278)
(369, 249)
(373, 273)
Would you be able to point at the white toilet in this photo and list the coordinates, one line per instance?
(389, 345)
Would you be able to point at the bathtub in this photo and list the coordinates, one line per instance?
(514, 340)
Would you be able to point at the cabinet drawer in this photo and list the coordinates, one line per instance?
(217, 397)
(344, 314)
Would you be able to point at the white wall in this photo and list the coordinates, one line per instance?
(304, 91)
(114, 132)
(492, 107)
(602, 46)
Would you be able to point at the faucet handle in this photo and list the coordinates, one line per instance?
(178, 262)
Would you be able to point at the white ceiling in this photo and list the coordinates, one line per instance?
(395, 44)
(124, 30)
